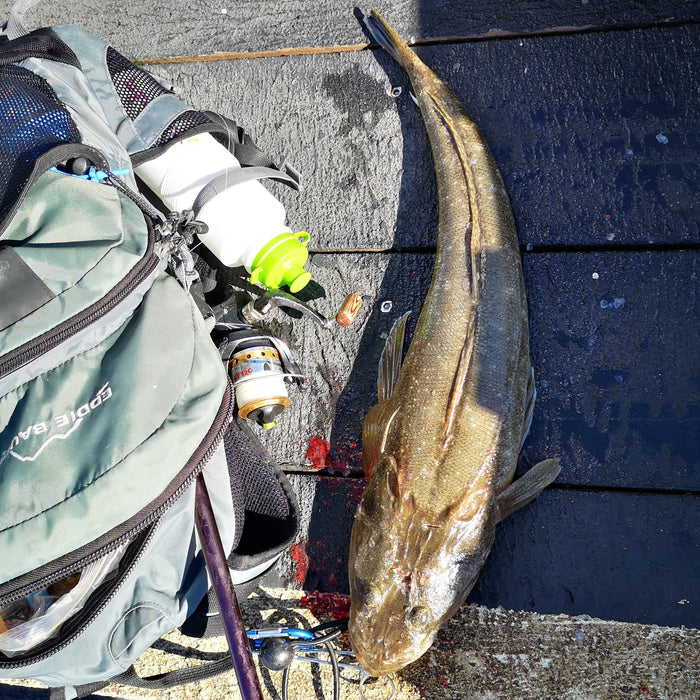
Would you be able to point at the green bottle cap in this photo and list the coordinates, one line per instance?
(281, 261)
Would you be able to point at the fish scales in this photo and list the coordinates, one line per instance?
(443, 445)
(477, 264)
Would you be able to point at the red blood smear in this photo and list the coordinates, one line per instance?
(317, 453)
(322, 604)
(298, 552)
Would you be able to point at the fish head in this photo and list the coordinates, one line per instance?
(408, 574)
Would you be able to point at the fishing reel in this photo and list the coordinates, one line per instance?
(260, 364)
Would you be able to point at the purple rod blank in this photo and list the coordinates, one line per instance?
(234, 629)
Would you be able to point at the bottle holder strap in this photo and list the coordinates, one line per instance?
(235, 176)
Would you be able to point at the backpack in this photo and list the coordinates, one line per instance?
(113, 395)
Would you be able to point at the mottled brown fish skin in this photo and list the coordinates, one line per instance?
(446, 441)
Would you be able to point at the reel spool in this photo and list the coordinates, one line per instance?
(260, 366)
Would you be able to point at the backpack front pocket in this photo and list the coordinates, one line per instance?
(104, 435)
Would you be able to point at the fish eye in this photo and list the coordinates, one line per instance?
(418, 616)
(367, 593)
(363, 588)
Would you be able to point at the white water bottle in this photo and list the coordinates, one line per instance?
(246, 222)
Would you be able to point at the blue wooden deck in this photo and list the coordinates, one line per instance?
(592, 112)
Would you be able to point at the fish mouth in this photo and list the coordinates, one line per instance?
(380, 652)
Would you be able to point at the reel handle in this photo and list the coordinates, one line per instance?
(254, 311)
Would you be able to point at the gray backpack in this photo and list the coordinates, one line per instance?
(113, 396)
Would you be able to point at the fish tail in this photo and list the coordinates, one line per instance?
(385, 36)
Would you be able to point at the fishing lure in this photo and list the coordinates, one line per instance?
(279, 647)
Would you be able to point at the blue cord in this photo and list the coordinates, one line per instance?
(95, 175)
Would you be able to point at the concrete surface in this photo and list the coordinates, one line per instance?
(482, 654)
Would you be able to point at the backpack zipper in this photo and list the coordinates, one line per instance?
(83, 618)
(134, 527)
(51, 158)
(32, 349)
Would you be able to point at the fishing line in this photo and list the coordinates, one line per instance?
(279, 647)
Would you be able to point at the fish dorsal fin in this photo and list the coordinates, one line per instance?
(391, 359)
(529, 406)
(375, 428)
(375, 431)
(527, 487)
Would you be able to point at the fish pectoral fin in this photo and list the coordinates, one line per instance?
(375, 430)
(527, 487)
(391, 359)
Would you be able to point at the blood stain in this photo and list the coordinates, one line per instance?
(318, 452)
(298, 553)
(320, 604)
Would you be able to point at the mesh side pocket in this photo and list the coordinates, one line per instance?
(271, 508)
(32, 121)
(181, 124)
(135, 87)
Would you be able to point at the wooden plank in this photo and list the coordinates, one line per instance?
(618, 394)
(179, 28)
(618, 556)
(596, 136)
(618, 390)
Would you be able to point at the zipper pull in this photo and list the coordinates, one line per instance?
(95, 175)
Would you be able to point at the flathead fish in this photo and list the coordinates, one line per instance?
(441, 446)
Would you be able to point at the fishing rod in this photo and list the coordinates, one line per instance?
(259, 364)
(234, 628)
